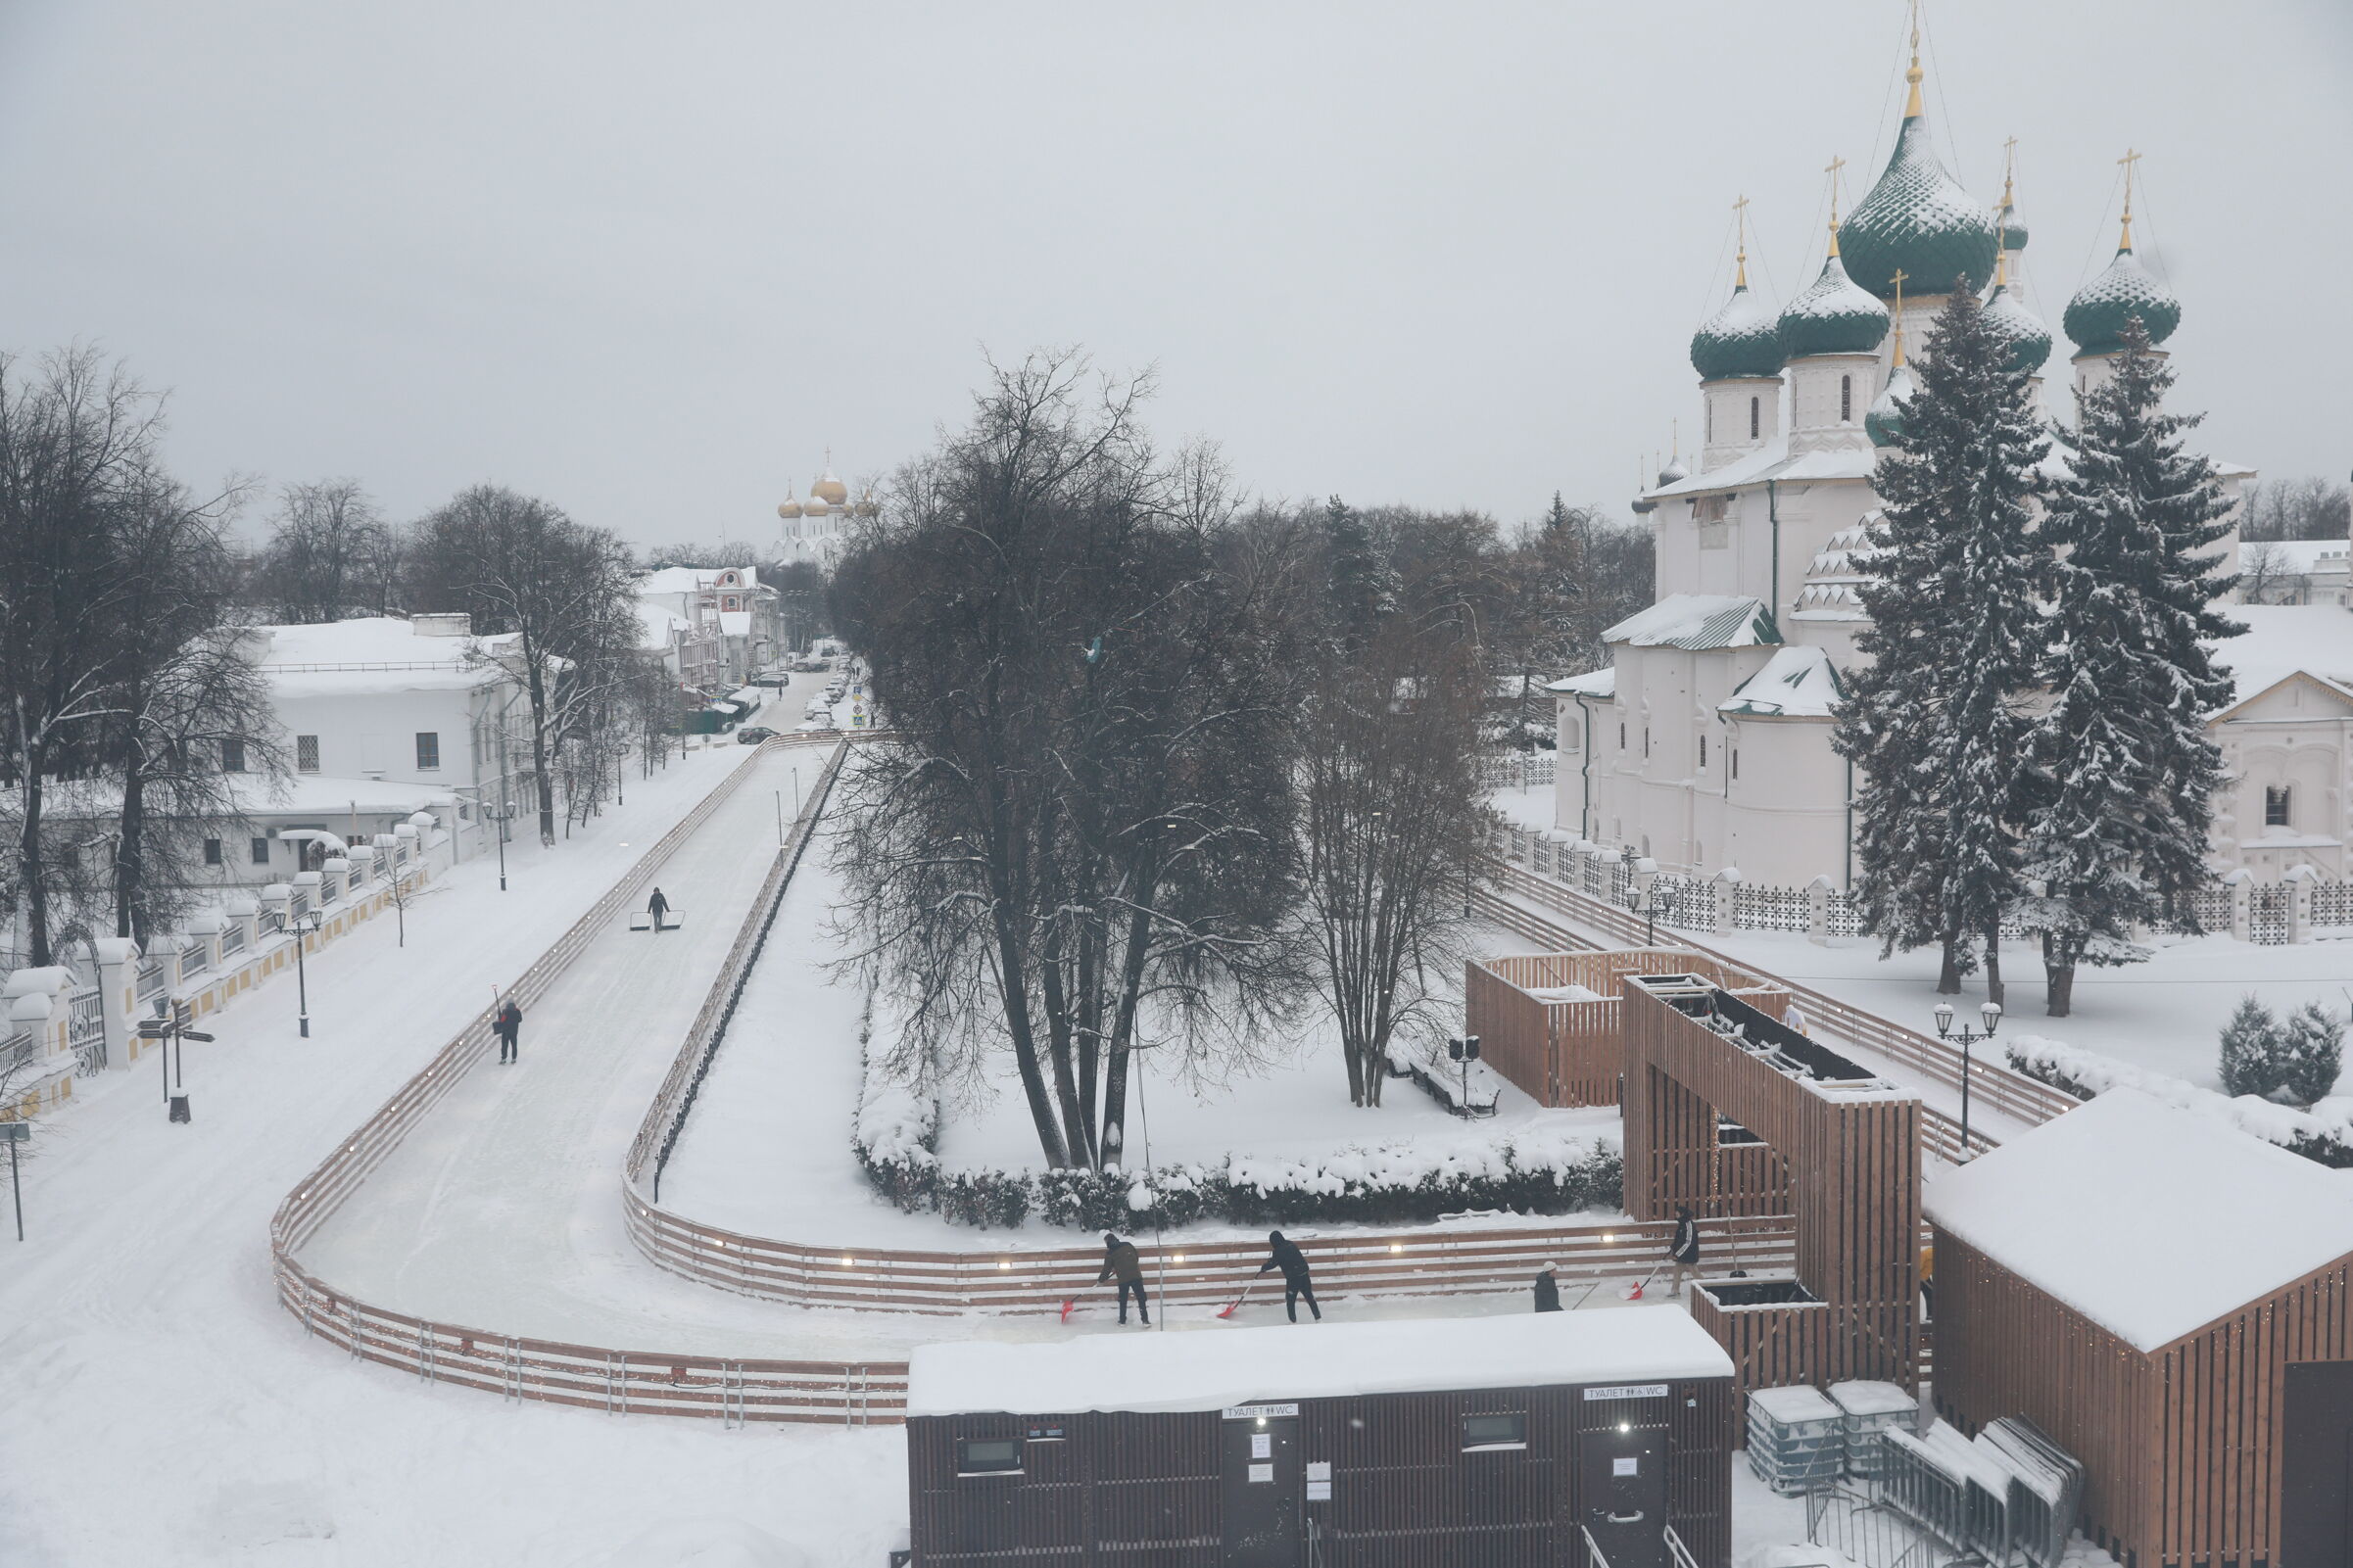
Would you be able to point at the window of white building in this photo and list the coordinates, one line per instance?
(1736, 762)
(1702, 753)
(2278, 801)
(1845, 400)
(261, 851)
(306, 753)
(428, 750)
(232, 754)
(1752, 418)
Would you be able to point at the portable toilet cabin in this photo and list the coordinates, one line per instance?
(1557, 1438)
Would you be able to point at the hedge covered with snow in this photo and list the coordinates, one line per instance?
(1531, 1171)
(2324, 1134)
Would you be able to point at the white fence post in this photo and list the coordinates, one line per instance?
(1727, 898)
(2299, 903)
(2242, 883)
(1817, 911)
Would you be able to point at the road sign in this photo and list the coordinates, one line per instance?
(15, 1131)
(191, 1034)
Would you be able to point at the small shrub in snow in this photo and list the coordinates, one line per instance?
(2252, 1050)
(2312, 1053)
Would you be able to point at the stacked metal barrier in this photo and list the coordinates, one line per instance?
(2012, 1496)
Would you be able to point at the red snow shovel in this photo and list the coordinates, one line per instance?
(1635, 1295)
(1235, 1305)
(1068, 1306)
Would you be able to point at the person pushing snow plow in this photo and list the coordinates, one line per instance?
(656, 909)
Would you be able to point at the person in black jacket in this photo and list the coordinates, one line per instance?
(1686, 1249)
(1295, 1286)
(1120, 1262)
(1548, 1290)
(509, 1028)
(657, 906)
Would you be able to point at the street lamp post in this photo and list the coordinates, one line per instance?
(311, 920)
(1464, 1051)
(168, 1029)
(503, 815)
(1991, 1013)
(1642, 896)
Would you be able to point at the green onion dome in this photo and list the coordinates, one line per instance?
(1832, 315)
(2028, 338)
(1675, 472)
(1885, 420)
(1740, 340)
(2095, 317)
(2011, 226)
(1919, 221)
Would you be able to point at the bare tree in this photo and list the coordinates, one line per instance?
(77, 444)
(1392, 823)
(2268, 575)
(329, 555)
(2309, 508)
(1078, 841)
(557, 592)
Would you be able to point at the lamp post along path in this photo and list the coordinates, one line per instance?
(1991, 1014)
(168, 1029)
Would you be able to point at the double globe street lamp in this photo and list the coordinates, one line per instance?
(1991, 1013)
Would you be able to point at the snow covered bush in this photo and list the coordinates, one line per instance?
(2325, 1139)
(2251, 1050)
(2312, 1053)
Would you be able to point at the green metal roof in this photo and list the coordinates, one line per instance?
(1917, 219)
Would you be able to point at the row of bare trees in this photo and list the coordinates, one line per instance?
(1164, 768)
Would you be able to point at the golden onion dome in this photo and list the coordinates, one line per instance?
(829, 489)
(789, 508)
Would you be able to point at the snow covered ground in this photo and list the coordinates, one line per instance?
(164, 1409)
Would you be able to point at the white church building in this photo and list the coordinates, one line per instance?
(1704, 744)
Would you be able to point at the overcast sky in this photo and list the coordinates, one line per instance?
(650, 261)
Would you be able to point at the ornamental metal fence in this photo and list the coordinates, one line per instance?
(85, 1031)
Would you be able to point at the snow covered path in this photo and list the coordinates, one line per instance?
(163, 1409)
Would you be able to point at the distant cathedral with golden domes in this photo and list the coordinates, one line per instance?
(1704, 744)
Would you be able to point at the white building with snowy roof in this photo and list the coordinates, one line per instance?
(728, 605)
(1705, 744)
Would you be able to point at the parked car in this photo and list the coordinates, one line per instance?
(752, 735)
(814, 723)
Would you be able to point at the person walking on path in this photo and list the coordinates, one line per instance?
(1548, 1289)
(509, 1028)
(1686, 1249)
(657, 906)
(1120, 1262)
(1295, 1285)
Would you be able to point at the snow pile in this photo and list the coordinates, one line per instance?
(2324, 1134)
(2148, 1219)
(1219, 1368)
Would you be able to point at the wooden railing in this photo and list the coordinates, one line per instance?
(1435, 1261)
(1995, 1084)
(650, 1381)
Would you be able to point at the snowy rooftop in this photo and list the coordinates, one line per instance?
(2303, 555)
(1599, 682)
(2281, 638)
(660, 626)
(1698, 621)
(694, 579)
(734, 623)
(373, 653)
(1797, 683)
(1772, 460)
(1215, 1369)
(2150, 1220)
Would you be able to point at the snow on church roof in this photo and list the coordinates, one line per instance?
(1797, 683)
(2150, 1220)
(1772, 460)
(1219, 1368)
(1698, 621)
(1600, 683)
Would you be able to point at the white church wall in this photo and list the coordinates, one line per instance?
(1785, 814)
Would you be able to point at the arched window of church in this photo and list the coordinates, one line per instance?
(2278, 801)
(1570, 738)
(1703, 751)
(1752, 418)
(1621, 734)
(1736, 762)
(1845, 400)
(1711, 419)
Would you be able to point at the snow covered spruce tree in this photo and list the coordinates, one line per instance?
(1936, 719)
(2121, 773)
(2252, 1056)
(2312, 1053)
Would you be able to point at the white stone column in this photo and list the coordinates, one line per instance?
(1817, 911)
(118, 996)
(2300, 883)
(2241, 882)
(1727, 896)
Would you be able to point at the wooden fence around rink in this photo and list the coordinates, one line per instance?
(591, 1376)
(1431, 1260)
(1995, 1084)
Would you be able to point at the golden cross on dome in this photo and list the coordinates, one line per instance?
(1911, 106)
(2127, 161)
(1898, 279)
(1832, 169)
(1740, 214)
